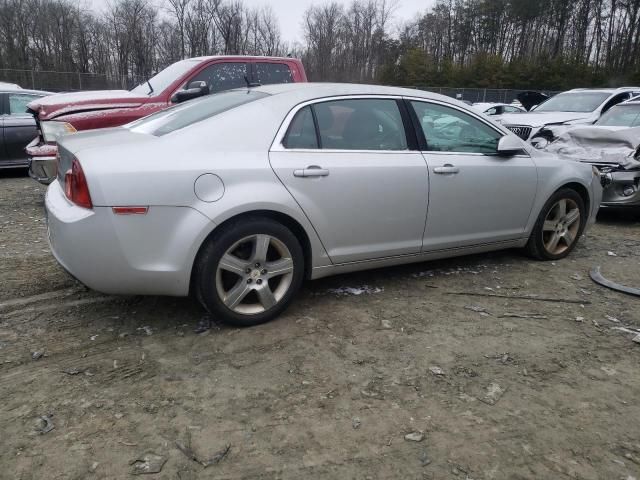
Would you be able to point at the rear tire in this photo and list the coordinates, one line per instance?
(248, 272)
(558, 227)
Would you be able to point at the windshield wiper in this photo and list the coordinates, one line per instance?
(150, 87)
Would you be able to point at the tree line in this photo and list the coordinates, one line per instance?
(552, 44)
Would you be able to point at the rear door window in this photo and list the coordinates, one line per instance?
(222, 76)
(360, 124)
(270, 73)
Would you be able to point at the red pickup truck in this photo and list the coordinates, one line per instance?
(66, 113)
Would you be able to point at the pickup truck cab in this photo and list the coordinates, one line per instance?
(66, 113)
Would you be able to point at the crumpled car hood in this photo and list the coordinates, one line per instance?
(540, 119)
(599, 145)
(64, 103)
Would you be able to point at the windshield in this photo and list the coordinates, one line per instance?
(188, 113)
(166, 77)
(621, 116)
(573, 102)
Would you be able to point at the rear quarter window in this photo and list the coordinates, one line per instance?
(270, 73)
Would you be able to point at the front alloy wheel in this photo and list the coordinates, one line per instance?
(558, 227)
(561, 227)
(248, 272)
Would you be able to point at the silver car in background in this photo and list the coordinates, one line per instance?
(240, 196)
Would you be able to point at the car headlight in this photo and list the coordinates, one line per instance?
(540, 143)
(53, 130)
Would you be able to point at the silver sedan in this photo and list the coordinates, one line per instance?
(239, 197)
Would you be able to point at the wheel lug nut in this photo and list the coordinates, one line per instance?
(264, 271)
(249, 280)
(259, 282)
(248, 270)
(257, 265)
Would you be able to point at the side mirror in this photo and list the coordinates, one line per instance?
(195, 90)
(508, 146)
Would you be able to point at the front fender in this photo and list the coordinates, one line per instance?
(553, 174)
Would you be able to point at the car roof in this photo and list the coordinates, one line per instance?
(246, 57)
(604, 90)
(23, 91)
(318, 90)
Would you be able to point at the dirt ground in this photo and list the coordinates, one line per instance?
(493, 387)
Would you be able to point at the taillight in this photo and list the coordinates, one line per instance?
(75, 186)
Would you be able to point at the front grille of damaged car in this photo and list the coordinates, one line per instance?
(522, 132)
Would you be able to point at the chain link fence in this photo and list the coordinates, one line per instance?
(66, 81)
(71, 81)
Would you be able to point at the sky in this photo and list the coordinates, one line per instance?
(290, 12)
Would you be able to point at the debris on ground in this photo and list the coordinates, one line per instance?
(636, 338)
(385, 324)
(493, 394)
(72, 371)
(522, 297)
(611, 254)
(437, 371)
(44, 424)
(146, 329)
(37, 355)
(536, 316)
(346, 291)
(355, 423)
(475, 308)
(424, 459)
(93, 467)
(191, 454)
(205, 324)
(148, 463)
(597, 277)
(414, 437)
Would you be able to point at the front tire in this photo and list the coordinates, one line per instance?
(558, 227)
(249, 272)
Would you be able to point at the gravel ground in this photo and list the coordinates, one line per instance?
(404, 374)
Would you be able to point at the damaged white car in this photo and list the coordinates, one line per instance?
(580, 106)
(614, 151)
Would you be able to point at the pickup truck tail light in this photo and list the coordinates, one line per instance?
(75, 186)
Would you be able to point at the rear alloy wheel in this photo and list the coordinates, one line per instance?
(558, 227)
(249, 273)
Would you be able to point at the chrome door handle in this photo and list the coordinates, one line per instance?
(446, 168)
(311, 171)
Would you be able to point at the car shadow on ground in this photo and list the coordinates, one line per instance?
(14, 172)
(619, 216)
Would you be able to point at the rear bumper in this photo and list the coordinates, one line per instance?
(43, 166)
(43, 169)
(149, 254)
